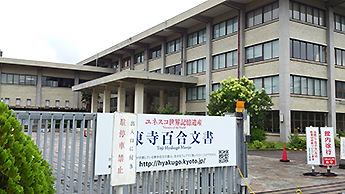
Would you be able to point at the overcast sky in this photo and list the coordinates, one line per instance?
(68, 31)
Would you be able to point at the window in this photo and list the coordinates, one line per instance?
(139, 58)
(270, 84)
(226, 27)
(17, 101)
(339, 89)
(340, 121)
(307, 51)
(7, 101)
(307, 13)
(308, 86)
(47, 103)
(196, 93)
(339, 57)
(7, 78)
(262, 15)
(196, 37)
(57, 103)
(126, 62)
(300, 120)
(196, 66)
(156, 71)
(215, 87)
(155, 52)
(174, 45)
(28, 102)
(67, 103)
(225, 60)
(262, 51)
(339, 22)
(57, 82)
(173, 70)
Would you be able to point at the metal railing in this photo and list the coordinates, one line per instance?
(67, 142)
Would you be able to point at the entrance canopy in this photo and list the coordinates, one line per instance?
(131, 77)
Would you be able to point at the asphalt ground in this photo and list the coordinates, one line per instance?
(267, 172)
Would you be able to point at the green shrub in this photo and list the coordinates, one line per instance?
(22, 167)
(257, 134)
(341, 133)
(296, 141)
(258, 144)
(336, 142)
(270, 145)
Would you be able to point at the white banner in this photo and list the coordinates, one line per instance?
(313, 153)
(177, 142)
(328, 147)
(124, 149)
(342, 148)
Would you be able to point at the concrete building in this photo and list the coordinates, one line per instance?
(293, 49)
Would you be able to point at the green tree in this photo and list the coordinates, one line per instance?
(256, 103)
(86, 97)
(22, 167)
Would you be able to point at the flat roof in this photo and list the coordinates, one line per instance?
(64, 66)
(131, 77)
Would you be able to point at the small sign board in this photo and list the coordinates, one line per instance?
(124, 149)
(167, 142)
(342, 148)
(313, 153)
(328, 147)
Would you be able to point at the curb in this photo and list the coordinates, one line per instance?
(295, 149)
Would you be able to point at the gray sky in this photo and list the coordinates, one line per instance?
(68, 31)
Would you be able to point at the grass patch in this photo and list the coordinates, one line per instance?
(267, 145)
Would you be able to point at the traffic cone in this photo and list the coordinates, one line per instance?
(85, 135)
(284, 159)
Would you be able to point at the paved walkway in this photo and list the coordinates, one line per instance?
(268, 173)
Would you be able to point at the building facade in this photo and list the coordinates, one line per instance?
(295, 50)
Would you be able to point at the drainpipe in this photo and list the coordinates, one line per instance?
(238, 43)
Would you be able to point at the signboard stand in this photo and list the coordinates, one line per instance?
(328, 150)
(342, 153)
(312, 173)
(313, 153)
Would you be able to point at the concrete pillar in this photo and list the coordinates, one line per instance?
(139, 98)
(120, 64)
(121, 99)
(163, 57)
(161, 98)
(241, 40)
(146, 59)
(131, 67)
(208, 63)
(331, 119)
(106, 100)
(94, 99)
(76, 94)
(39, 87)
(184, 54)
(183, 99)
(284, 70)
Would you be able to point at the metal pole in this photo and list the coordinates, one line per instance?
(240, 150)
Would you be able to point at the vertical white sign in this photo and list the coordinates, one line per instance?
(342, 148)
(313, 153)
(124, 149)
(328, 147)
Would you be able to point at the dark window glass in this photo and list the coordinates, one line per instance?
(296, 49)
(303, 50)
(310, 55)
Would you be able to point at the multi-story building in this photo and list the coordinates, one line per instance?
(293, 49)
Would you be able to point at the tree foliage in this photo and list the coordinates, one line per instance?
(22, 167)
(256, 103)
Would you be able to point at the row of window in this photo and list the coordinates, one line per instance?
(225, 27)
(307, 13)
(196, 66)
(262, 51)
(225, 60)
(196, 37)
(57, 82)
(7, 78)
(339, 22)
(155, 52)
(339, 89)
(270, 84)
(28, 102)
(126, 62)
(262, 14)
(300, 120)
(340, 119)
(196, 93)
(308, 86)
(308, 51)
